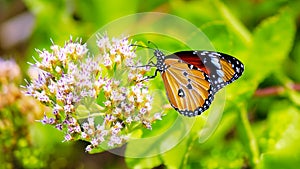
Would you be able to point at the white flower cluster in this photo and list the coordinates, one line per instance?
(68, 77)
(127, 101)
(65, 77)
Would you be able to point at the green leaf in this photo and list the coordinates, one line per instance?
(155, 145)
(206, 12)
(103, 12)
(177, 156)
(282, 148)
(146, 162)
(272, 42)
(232, 22)
(218, 35)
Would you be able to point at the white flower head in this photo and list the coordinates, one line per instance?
(99, 98)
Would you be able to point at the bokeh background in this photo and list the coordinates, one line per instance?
(260, 127)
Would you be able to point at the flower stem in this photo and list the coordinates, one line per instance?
(249, 138)
(191, 143)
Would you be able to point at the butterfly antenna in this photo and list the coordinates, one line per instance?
(141, 46)
(156, 47)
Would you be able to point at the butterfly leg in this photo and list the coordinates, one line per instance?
(150, 64)
(150, 77)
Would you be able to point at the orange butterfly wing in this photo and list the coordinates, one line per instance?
(221, 68)
(189, 90)
(191, 78)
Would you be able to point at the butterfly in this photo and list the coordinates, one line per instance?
(192, 78)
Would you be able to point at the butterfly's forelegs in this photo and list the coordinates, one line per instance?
(150, 64)
(153, 76)
(150, 77)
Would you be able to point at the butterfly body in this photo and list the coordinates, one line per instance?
(192, 78)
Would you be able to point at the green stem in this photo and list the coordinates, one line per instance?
(233, 22)
(191, 142)
(250, 138)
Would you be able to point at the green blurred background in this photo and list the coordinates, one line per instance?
(260, 127)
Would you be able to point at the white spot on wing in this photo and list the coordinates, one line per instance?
(203, 53)
(220, 73)
(215, 61)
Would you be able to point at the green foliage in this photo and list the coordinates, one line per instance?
(279, 141)
(254, 132)
(263, 53)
